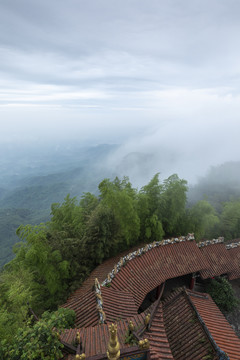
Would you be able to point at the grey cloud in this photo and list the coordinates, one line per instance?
(163, 75)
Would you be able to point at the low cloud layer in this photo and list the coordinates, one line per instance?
(161, 78)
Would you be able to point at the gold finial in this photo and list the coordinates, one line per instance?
(115, 269)
(113, 352)
(78, 338)
(109, 277)
(144, 344)
(80, 357)
(121, 261)
(147, 319)
(131, 326)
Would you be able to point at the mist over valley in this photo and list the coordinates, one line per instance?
(34, 177)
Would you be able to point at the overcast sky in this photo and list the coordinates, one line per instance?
(152, 75)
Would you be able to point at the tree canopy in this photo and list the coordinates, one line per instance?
(54, 258)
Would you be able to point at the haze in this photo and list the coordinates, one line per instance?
(161, 78)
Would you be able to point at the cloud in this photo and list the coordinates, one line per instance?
(160, 77)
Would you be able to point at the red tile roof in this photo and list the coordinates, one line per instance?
(217, 324)
(85, 307)
(83, 300)
(157, 336)
(95, 339)
(186, 335)
(188, 325)
(117, 304)
(234, 254)
(99, 272)
(220, 260)
(143, 273)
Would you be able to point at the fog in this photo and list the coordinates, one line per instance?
(161, 79)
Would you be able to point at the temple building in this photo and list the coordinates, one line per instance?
(148, 304)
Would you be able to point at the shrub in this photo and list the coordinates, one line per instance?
(223, 295)
(39, 340)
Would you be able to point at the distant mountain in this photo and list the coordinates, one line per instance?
(33, 180)
(222, 183)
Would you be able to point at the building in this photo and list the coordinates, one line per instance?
(134, 291)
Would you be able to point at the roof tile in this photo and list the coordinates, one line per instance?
(144, 273)
(219, 259)
(217, 324)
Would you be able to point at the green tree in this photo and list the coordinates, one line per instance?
(203, 220)
(39, 340)
(50, 271)
(15, 292)
(66, 232)
(149, 205)
(230, 219)
(121, 199)
(101, 239)
(173, 204)
(66, 218)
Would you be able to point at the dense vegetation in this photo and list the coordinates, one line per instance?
(31, 179)
(39, 339)
(223, 294)
(54, 258)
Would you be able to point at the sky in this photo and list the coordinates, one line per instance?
(158, 77)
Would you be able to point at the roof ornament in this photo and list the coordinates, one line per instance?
(138, 252)
(99, 296)
(144, 344)
(78, 340)
(97, 285)
(101, 313)
(131, 327)
(232, 245)
(190, 236)
(113, 352)
(141, 251)
(79, 355)
(219, 240)
(147, 319)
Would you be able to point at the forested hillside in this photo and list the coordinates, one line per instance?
(55, 257)
(30, 184)
(31, 180)
(220, 184)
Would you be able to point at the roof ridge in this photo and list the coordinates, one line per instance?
(197, 294)
(99, 300)
(173, 295)
(143, 250)
(222, 355)
(232, 245)
(219, 240)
